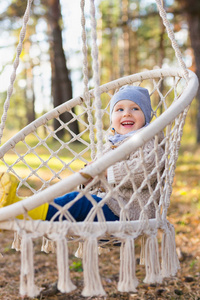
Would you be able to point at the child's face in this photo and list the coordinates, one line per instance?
(127, 116)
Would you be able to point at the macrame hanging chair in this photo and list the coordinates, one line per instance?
(169, 113)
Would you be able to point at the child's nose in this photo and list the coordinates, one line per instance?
(127, 112)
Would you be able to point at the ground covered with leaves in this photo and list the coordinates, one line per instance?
(184, 214)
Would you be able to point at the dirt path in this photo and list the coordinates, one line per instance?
(186, 285)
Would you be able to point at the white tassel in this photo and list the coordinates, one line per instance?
(16, 244)
(170, 262)
(92, 281)
(64, 282)
(79, 251)
(27, 286)
(152, 264)
(127, 279)
(48, 245)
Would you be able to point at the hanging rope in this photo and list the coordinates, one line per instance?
(85, 81)
(171, 35)
(15, 66)
(95, 67)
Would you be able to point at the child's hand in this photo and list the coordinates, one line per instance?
(86, 175)
(91, 178)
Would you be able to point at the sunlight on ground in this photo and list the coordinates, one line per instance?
(185, 199)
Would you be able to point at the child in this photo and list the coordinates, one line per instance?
(130, 111)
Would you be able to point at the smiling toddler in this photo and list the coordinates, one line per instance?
(130, 111)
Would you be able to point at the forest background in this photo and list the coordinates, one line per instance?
(131, 38)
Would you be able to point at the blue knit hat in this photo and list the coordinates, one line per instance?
(136, 94)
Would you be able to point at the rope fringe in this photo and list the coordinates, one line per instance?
(79, 251)
(170, 262)
(48, 245)
(16, 244)
(152, 264)
(92, 281)
(27, 286)
(127, 278)
(65, 284)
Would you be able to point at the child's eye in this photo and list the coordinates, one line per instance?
(135, 108)
(120, 109)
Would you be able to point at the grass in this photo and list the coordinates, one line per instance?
(187, 179)
(34, 162)
(51, 155)
(42, 161)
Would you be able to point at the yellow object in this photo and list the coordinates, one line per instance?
(8, 187)
(39, 213)
(8, 196)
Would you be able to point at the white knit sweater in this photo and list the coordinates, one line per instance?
(117, 172)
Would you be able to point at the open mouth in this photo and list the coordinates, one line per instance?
(127, 123)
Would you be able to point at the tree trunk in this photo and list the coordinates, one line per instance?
(192, 11)
(194, 29)
(125, 28)
(29, 91)
(61, 82)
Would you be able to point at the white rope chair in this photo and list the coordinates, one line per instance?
(169, 112)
